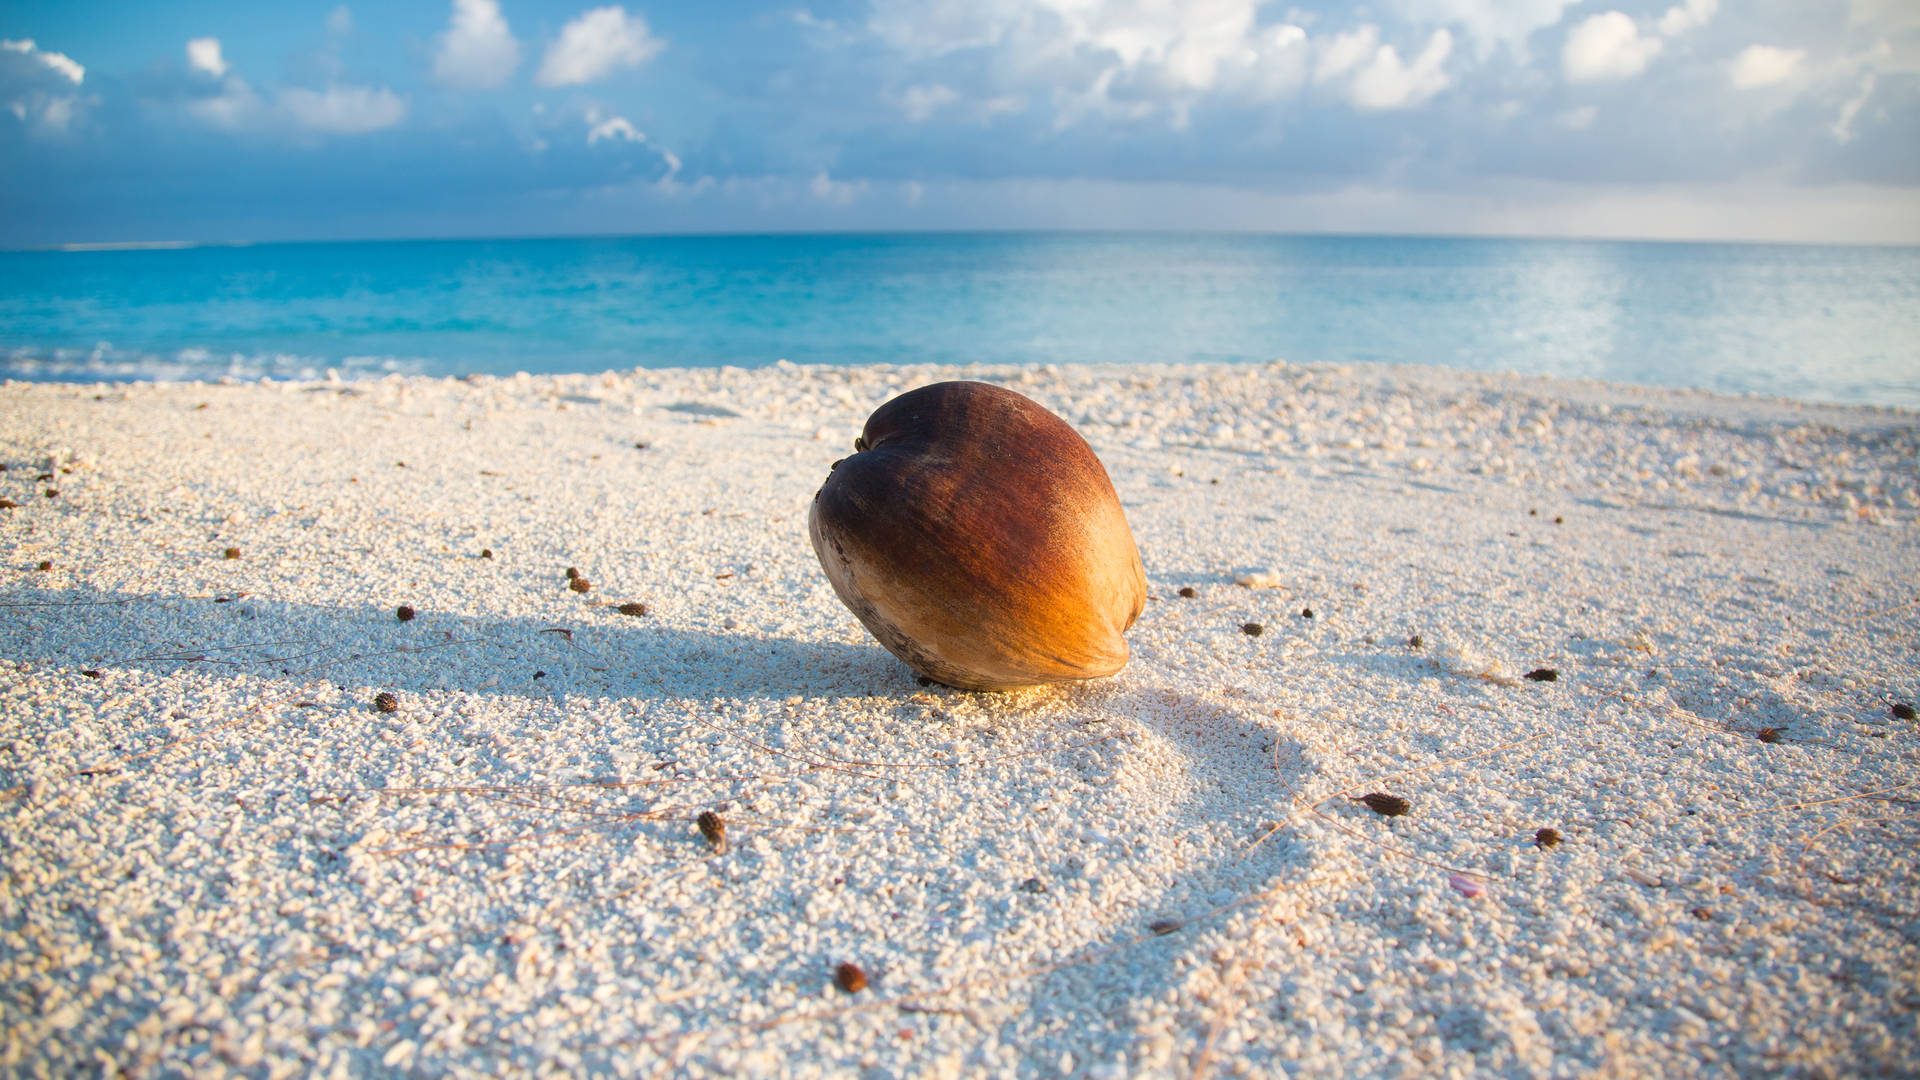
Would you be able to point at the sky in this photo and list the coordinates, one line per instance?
(216, 121)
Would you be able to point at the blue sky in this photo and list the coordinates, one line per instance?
(1772, 119)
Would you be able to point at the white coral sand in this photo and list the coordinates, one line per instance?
(220, 857)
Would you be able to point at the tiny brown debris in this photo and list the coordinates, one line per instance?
(1252, 629)
(91, 673)
(52, 493)
(1700, 913)
(850, 978)
(1558, 520)
(632, 609)
(1187, 592)
(1543, 674)
(404, 613)
(1546, 838)
(1769, 734)
(1902, 711)
(714, 828)
(8, 504)
(46, 564)
(580, 584)
(1306, 613)
(385, 702)
(486, 553)
(232, 553)
(1163, 927)
(573, 573)
(1386, 805)
(1416, 641)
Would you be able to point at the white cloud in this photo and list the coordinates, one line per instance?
(40, 87)
(1374, 76)
(921, 102)
(614, 127)
(203, 55)
(1764, 65)
(58, 62)
(1579, 119)
(838, 192)
(344, 110)
(593, 45)
(1490, 24)
(1386, 83)
(235, 108)
(478, 50)
(1684, 17)
(1607, 47)
(1347, 51)
(1125, 58)
(1842, 128)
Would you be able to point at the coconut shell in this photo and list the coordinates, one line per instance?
(976, 535)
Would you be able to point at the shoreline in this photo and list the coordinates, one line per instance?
(225, 857)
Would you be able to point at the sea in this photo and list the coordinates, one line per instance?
(1837, 324)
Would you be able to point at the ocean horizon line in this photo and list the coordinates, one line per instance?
(176, 244)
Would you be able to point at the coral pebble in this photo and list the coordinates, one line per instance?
(850, 978)
(714, 829)
(1386, 805)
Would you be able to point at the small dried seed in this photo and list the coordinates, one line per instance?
(46, 564)
(486, 553)
(1543, 674)
(233, 553)
(1769, 734)
(1252, 629)
(850, 978)
(1163, 926)
(1416, 641)
(714, 829)
(1187, 591)
(52, 493)
(1306, 613)
(385, 702)
(1902, 711)
(91, 673)
(404, 613)
(1386, 805)
(1546, 838)
(573, 573)
(632, 609)
(579, 584)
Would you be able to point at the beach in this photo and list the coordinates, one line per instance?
(1671, 627)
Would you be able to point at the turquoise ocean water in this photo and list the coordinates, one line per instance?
(1818, 323)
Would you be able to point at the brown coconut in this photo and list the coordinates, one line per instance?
(976, 535)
